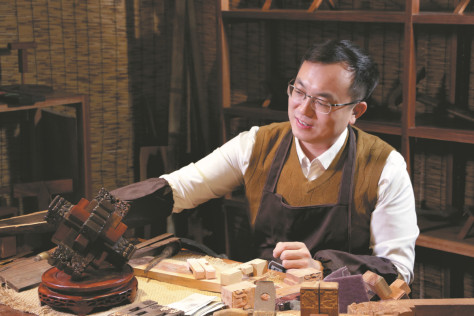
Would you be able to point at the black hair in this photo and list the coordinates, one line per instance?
(360, 64)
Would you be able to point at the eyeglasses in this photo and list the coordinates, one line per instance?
(316, 104)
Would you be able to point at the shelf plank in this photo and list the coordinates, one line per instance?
(322, 15)
(445, 239)
(257, 113)
(53, 99)
(443, 18)
(379, 127)
(446, 134)
(350, 16)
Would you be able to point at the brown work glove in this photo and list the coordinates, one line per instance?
(151, 202)
(356, 264)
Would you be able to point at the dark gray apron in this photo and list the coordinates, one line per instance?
(326, 226)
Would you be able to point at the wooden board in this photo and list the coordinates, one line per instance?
(176, 271)
(30, 223)
(23, 274)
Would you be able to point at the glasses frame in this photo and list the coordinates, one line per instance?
(313, 100)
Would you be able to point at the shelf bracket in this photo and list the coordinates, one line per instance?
(461, 6)
(316, 3)
(267, 5)
(466, 228)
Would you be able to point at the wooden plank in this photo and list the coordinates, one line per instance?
(176, 271)
(199, 77)
(30, 223)
(23, 274)
(445, 239)
(323, 15)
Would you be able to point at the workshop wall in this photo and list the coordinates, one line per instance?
(118, 52)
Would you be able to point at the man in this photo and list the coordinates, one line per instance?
(320, 192)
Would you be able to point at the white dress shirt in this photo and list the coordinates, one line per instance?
(393, 227)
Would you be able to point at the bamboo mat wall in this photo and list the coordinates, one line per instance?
(117, 52)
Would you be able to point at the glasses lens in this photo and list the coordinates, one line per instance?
(322, 107)
(297, 94)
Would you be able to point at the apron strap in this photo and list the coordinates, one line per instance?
(346, 191)
(278, 162)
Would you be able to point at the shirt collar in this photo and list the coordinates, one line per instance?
(326, 158)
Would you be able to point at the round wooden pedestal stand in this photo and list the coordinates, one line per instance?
(97, 289)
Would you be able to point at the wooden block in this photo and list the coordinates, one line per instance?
(309, 298)
(23, 274)
(231, 312)
(7, 246)
(328, 298)
(302, 275)
(196, 268)
(231, 276)
(209, 270)
(398, 294)
(246, 268)
(379, 308)
(400, 290)
(259, 266)
(377, 284)
(400, 284)
(239, 295)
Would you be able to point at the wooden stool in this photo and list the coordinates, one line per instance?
(97, 289)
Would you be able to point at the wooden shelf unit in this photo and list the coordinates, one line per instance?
(82, 184)
(409, 19)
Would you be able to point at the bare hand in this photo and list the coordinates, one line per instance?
(295, 255)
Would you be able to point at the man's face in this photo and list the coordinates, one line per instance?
(330, 82)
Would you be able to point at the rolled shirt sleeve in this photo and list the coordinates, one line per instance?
(213, 176)
(394, 228)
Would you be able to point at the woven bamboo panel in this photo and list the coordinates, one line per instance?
(429, 282)
(430, 179)
(248, 56)
(116, 52)
(471, 80)
(469, 191)
(469, 284)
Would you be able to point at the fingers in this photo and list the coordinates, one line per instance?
(293, 255)
(288, 247)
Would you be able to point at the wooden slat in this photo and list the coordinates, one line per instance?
(379, 127)
(445, 239)
(443, 18)
(23, 274)
(322, 15)
(446, 134)
(30, 223)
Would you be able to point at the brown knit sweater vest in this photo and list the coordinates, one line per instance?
(293, 186)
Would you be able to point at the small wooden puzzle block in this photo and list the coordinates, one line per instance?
(231, 276)
(209, 270)
(377, 284)
(246, 268)
(259, 266)
(196, 268)
(319, 298)
(297, 276)
(400, 289)
(239, 295)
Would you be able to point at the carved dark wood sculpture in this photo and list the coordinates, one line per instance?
(90, 262)
(89, 233)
